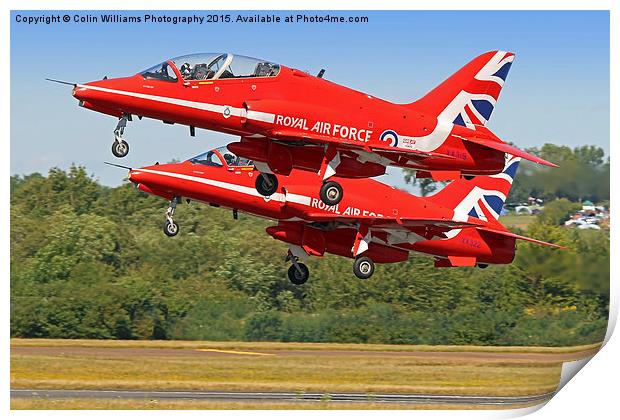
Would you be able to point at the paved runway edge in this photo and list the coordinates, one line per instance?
(278, 396)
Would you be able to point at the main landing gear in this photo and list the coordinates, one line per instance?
(171, 228)
(363, 267)
(266, 184)
(331, 193)
(298, 273)
(120, 147)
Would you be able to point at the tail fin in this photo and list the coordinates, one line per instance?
(482, 197)
(468, 97)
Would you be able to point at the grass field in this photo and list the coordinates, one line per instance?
(94, 404)
(517, 220)
(265, 346)
(170, 365)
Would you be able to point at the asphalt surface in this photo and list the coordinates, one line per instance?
(277, 397)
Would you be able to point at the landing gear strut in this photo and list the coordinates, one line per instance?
(266, 184)
(363, 268)
(171, 228)
(331, 191)
(120, 147)
(298, 273)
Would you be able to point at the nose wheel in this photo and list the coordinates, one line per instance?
(171, 228)
(120, 148)
(331, 193)
(363, 268)
(298, 273)
(266, 184)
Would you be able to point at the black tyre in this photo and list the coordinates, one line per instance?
(266, 184)
(331, 193)
(363, 268)
(120, 149)
(469, 177)
(171, 229)
(483, 265)
(298, 277)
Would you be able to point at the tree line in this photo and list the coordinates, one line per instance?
(583, 174)
(88, 261)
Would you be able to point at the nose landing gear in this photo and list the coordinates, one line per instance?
(298, 273)
(171, 228)
(120, 148)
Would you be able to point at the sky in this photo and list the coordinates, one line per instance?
(557, 90)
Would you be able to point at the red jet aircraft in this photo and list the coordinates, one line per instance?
(288, 119)
(457, 226)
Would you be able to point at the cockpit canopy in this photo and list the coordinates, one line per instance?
(161, 71)
(212, 66)
(220, 157)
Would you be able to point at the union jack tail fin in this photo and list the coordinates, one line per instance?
(468, 97)
(482, 197)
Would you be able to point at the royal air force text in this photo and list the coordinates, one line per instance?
(344, 132)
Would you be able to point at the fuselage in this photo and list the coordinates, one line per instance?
(290, 104)
(305, 221)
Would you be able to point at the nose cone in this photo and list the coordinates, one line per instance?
(102, 89)
(146, 174)
(80, 93)
(143, 180)
(135, 176)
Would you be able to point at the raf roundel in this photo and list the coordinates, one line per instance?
(389, 136)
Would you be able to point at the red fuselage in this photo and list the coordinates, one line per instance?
(305, 221)
(291, 107)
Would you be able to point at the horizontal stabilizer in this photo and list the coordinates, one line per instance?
(506, 148)
(523, 238)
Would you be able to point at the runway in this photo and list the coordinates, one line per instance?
(293, 397)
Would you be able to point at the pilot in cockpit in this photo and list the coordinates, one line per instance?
(186, 71)
(231, 160)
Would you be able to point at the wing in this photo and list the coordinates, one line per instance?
(394, 222)
(288, 134)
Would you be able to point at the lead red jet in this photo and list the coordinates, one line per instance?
(288, 119)
(457, 226)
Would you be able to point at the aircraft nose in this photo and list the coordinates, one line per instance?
(79, 93)
(100, 89)
(135, 176)
(87, 92)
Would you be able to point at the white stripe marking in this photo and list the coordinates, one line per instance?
(204, 106)
(279, 197)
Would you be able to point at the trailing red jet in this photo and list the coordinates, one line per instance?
(288, 119)
(457, 226)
